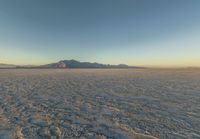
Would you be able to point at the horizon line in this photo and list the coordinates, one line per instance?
(144, 66)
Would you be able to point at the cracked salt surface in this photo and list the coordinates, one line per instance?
(99, 103)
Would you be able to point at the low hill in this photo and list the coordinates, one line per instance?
(7, 65)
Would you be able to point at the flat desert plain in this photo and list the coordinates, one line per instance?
(99, 103)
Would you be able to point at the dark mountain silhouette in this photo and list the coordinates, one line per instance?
(69, 64)
(78, 64)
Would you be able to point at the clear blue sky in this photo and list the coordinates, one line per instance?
(134, 32)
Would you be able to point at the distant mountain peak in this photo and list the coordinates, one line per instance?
(77, 64)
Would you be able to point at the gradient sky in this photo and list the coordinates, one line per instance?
(135, 32)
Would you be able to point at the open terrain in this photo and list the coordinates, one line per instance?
(99, 103)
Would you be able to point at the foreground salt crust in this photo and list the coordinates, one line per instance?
(103, 103)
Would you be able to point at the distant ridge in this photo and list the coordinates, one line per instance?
(78, 64)
(68, 64)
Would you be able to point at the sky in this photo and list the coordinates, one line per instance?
(154, 33)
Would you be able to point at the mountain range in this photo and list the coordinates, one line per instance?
(71, 64)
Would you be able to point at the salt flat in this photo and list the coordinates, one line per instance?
(99, 103)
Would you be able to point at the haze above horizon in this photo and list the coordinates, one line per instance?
(160, 33)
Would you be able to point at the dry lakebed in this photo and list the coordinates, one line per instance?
(99, 103)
